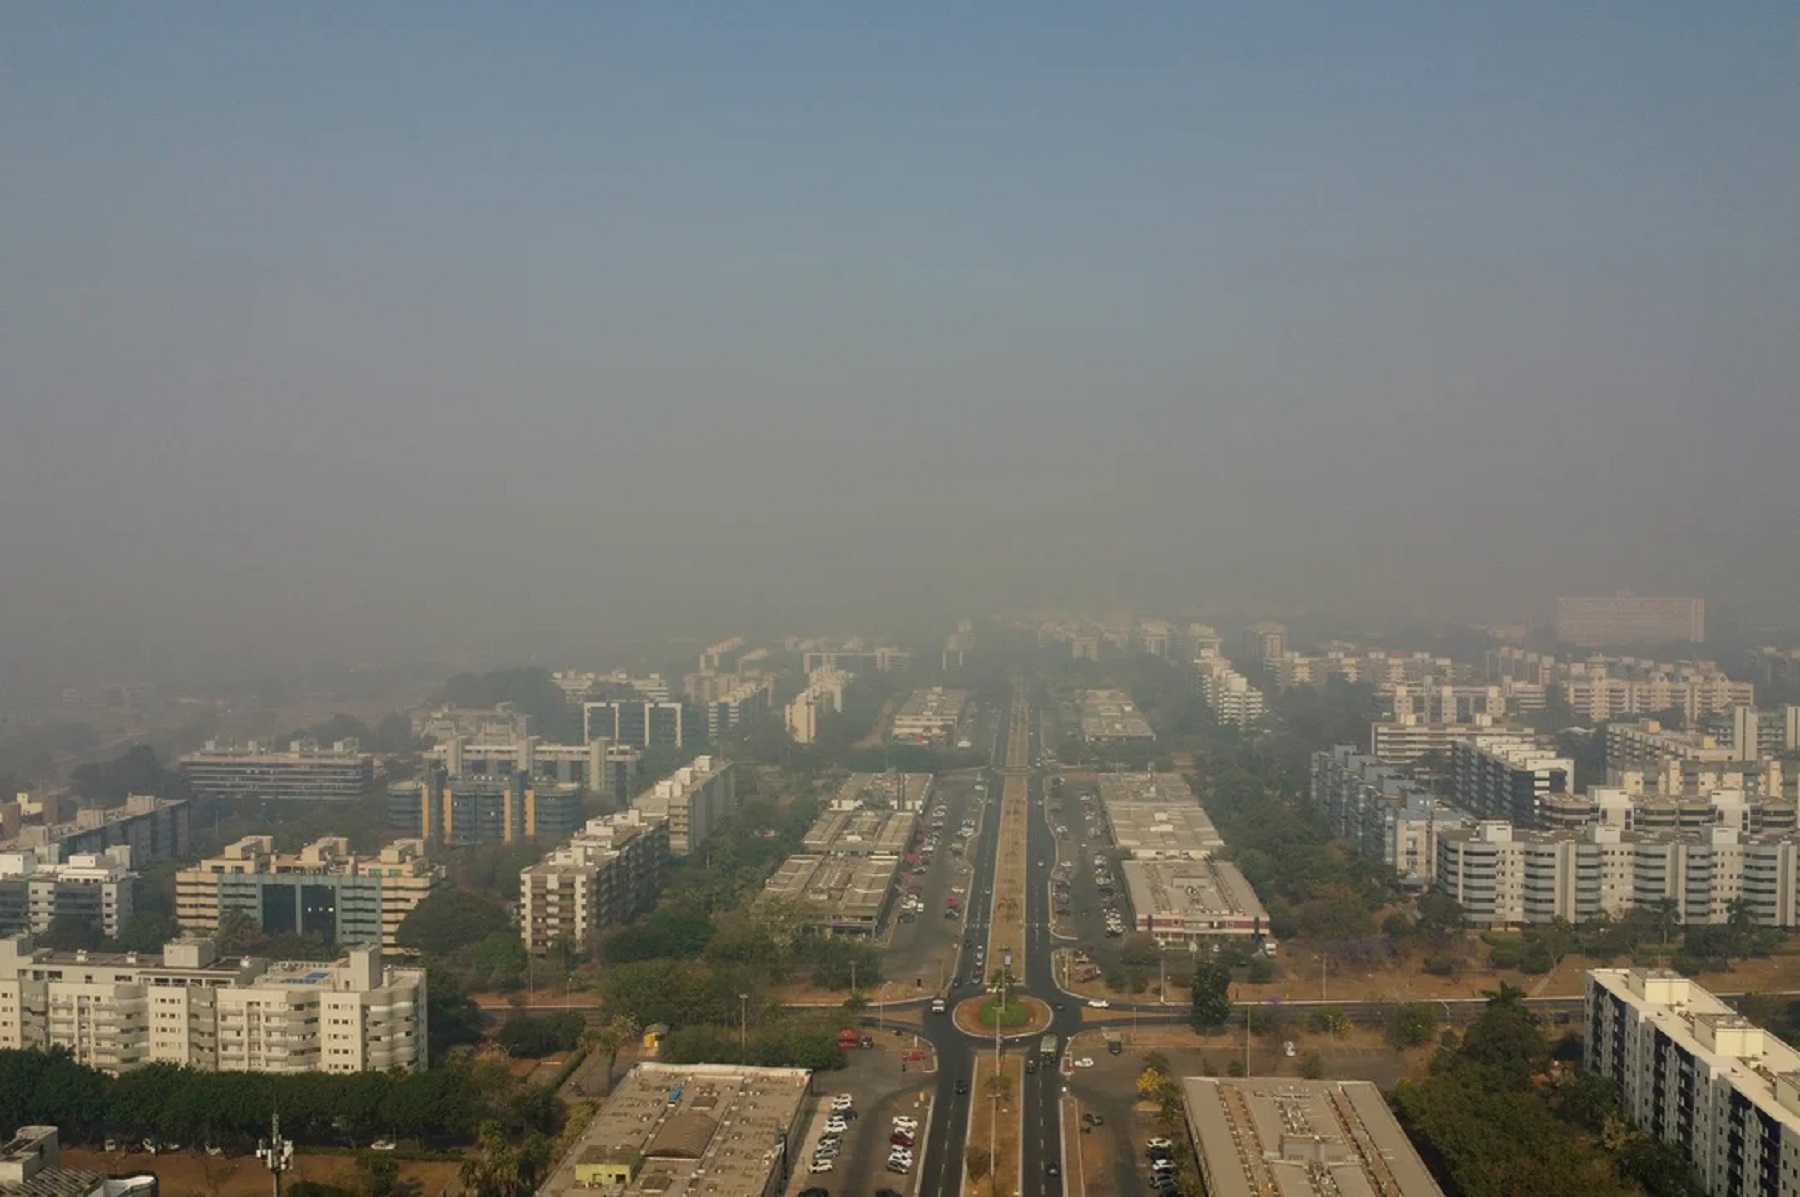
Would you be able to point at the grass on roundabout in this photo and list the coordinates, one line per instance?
(1013, 1016)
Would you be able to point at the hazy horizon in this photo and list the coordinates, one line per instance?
(337, 333)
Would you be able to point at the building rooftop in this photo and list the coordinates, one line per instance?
(900, 791)
(1194, 891)
(702, 1130)
(1260, 1136)
(1111, 715)
(846, 891)
(861, 833)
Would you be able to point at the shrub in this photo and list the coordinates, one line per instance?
(1442, 966)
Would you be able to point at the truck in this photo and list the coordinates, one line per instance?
(1048, 1046)
(937, 1006)
(849, 1039)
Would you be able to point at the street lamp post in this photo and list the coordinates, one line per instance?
(743, 1026)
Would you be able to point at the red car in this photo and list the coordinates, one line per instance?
(901, 1138)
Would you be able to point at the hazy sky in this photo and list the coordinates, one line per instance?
(370, 329)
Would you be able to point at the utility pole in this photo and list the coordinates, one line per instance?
(1323, 960)
(743, 1026)
(276, 1153)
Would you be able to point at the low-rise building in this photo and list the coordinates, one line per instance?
(694, 799)
(324, 890)
(1156, 816)
(829, 895)
(1298, 1138)
(1110, 717)
(31, 1166)
(609, 873)
(120, 1011)
(305, 771)
(691, 1129)
(930, 716)
(1186, 903)
(1696, 1074)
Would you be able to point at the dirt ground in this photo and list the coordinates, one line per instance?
(1006, 923)
(1404, 980)
(1005, 1177)
(1090, 1157)
(185, 1175)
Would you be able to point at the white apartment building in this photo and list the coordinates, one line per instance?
(119, 1011)
(824, 695)
(1503, 877)
(1228, 693)
(1630, 619)
(610, 872)
(1599, 699)
(97, 888)
(693, 799)
(1407, 742)
(930, 716)
(1382, 811)
(1693, 1072)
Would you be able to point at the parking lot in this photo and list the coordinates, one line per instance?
(867, 1096)
(920, 955)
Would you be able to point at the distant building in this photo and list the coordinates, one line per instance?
(824, 695)
(305, 771)
(323, 890)
(930, 716)
(1228, 694)
(1504, 777)
(598, 766)
(1268, 1135)
(1156, 816)
(1110, 717)
(153, 829)
(694, 800)
(1621, 619)
(1383, 811)
(1188, 903)
(503, 724)
(96, 889)
(636, 722)
(456, 812)
(120, 1011)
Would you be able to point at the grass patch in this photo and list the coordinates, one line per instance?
(1014, 1014)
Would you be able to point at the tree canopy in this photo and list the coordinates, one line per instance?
(451, 919)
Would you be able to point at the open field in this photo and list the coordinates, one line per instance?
(185, 1175)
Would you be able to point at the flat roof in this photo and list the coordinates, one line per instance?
(842, 891)
(1111, 715)
(698, 1129)
(861, 832)
(1190, 890)
(936, 706)
(1300, 1138)
(900, 790)
(1156, 816)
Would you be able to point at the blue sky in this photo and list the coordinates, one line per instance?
(1443, 306)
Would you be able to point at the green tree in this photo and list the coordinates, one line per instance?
(449, 920)
(613, 1035)
(1211, 996)
(379, 1174)
(1412, 1024)
(73, 933)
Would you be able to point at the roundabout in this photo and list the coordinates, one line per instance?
(1022, 1018)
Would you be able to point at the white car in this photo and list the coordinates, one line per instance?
(1099, 1003)
(1159, 1144)
(835, 1125)
(842, 1101)
(818, 1166)
(903, 1123)
(377, 1145)
(901, 1159)
(1085, 1062)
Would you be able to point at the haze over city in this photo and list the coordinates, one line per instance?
(367, 334)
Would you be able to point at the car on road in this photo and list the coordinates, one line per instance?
(962, 1084)
(1093, 1119)
(1099, 1003)
(938, 1006)
(1051, 1168)
(1115, 1047)
(1085, 1062)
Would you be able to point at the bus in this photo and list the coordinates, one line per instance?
(1048, 1046)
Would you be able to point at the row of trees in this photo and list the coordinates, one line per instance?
(445, 1106)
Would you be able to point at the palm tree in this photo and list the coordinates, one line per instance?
(498, 1169)
(612, 1035)
(1507, 996)
(1667, 916)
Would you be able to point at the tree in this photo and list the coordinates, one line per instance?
(1665, 916)
(379, 1174)
(449, 920)
(614, 1034)
(977, 1161)
(1211, 995)
(856, 1003)
(1412, 1024)
(73, 933)
(501, 1169)
(1440, 914)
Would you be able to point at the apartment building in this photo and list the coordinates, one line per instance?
(851, 656)
(1504, 777)
(1638, 810)
(930, 716)
(1696, 1074)
(502, 724)
(324, 890)
(596, 766)
(1228, 694)
(1504, 876)
(609, 873)
(739, 707)
(694, 799)
(1618, 619)
(824, 695)
(306, 771)
(152, 829)
(457, 812)
(1599, 698)
(1647, 744)
(1753, 734)
(98, 889)
(1383, 811)
(1416, 745)
(187, 1007)
(636, 722)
